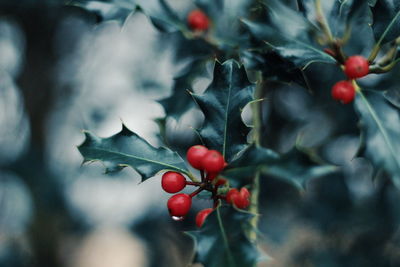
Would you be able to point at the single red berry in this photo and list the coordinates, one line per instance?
(198, 21)
(201, 216)
(244, 192)
(179, 205)
(343, 91)
(356, 67)
(233, 193)
(173, 182)
(239, 199)
(241, 202)
(213, 162)
(195, 155)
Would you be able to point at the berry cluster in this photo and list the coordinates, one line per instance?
(355, 67)
(210, 163)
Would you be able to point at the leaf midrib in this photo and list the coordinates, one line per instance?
(136, 157)
(388, 27)
(324, 56)
(226, 114)
(225, 240)
(380, 127)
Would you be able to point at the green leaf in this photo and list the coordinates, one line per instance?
(180, 100)
(393, 96)
(274, 67)
(372, 2)
(222, 105)
(128, 149)
(108, 9)
(295, 167)
(248, 162)
(221, 242)
(160, 13)
(380, 126)
(339, 14)
(386, 16)
(225, 17)
(289, 33)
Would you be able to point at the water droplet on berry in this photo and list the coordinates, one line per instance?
(178, 218)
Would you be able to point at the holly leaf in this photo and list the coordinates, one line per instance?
(225, 16)
(290, 34)
(180, 100)
(386, 17)
(295, 167)
(222, 241)
(274, 67)
(339, 14)
(222, 104)
(380, 127)
(161, 14)
(108, 9)
(393, 96)
(128, 149)
(249, 161)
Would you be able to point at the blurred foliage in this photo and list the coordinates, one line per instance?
(329, 183)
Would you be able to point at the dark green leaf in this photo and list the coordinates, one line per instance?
(339, 14)
(108, 9)
(222, 242)
(225, 16)
(386, 16)
(297, 168)
(380, 126)
(289, 33)
(372, 2)
(180, 100)
(274, 67)
(222, 105)
(393, 96)
(248, 162)
(128, 149)
(160, 13)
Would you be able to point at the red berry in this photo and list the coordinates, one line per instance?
(356, 67)
(240, 199)
(241, 202)
(179, 205)
(233, 193)
(173, 182)
(197, 20)
(195, 155)
(213, 162)
(343, 91)
(201, 216)
(244, 192)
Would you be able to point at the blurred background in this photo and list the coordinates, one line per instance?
(62, 72)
